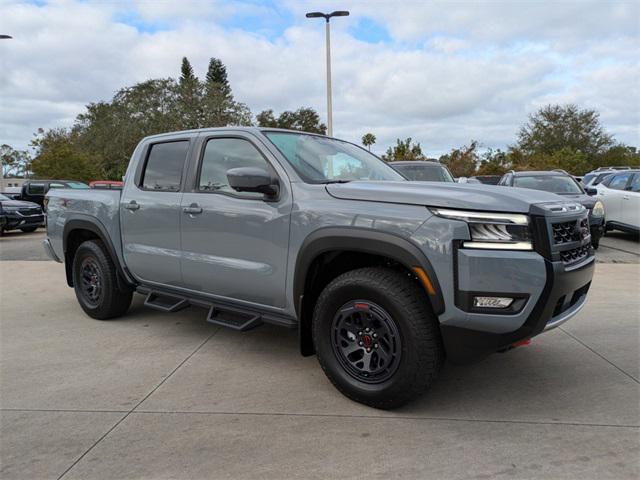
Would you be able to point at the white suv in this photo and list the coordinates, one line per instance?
(620, 193)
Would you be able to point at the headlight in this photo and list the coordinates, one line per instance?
(598, 209)
(505, 231)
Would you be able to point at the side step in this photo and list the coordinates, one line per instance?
(165, 303)
(232, 318)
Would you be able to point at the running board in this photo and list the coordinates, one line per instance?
(165, 303)
(230, 316)
(233, 318)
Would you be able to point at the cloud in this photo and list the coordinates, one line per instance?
(441, 73)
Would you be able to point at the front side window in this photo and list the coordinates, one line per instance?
(425, 173)
(36, 188)
(163, 170)
(320, 159)
(56, 185)
(560, 184)
(223, 154)
(619, 182)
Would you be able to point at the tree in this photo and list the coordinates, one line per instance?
(220, 108)
(59, 156)
(216, 78)
(305, 119)
(368, 139)
(494, 163)
(186, 72)
(557, 127)
(15, 163)
(463, 161)
(190, 97)
(404, 150)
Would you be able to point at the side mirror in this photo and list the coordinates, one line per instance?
(251, 179)
(591, 191)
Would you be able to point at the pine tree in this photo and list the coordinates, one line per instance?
(217, 78)
(186, 72)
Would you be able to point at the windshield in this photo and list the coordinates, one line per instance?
(549, 183)
(424, 172)
(324, 160)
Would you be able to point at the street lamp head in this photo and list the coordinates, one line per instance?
(327, 16)
(3, 37)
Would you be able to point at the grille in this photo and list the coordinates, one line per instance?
(29, 211)
(575, 254)
(568, 232)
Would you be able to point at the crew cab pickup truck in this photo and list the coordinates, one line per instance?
(382, 277)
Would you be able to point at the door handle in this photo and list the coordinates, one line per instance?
(626, 197)
(132, 205)
(192, 209)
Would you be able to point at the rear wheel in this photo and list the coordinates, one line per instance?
(376, 337)
(95, 282)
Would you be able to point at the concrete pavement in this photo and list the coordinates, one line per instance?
(156, 395)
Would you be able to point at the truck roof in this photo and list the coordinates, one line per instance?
(229, 129)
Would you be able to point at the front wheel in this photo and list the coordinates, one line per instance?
(376, 337)
(95, 282)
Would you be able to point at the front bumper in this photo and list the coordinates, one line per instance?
(568, 266)
(15, 220)
(48, 248)
(564, 295)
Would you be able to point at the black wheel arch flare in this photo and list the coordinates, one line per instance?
(360, 240)
(96, 228)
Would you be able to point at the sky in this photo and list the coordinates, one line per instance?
(442, 73)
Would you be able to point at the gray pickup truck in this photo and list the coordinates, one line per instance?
(383, 278)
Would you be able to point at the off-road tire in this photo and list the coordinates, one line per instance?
(112, 302)
(406, 302)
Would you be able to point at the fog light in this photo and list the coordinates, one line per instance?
(492, 302)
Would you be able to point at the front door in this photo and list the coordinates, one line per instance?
(150, 214)
(235, 244)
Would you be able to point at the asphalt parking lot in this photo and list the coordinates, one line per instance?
(156, 395)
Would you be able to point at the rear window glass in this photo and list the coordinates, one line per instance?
(78, 185)
(163, 170)
(619, 182)
(36, 188)
(424, 173)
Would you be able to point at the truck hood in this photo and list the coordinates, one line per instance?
(19, 204)
(445, 195)
(586, 201)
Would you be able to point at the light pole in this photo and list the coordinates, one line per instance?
(327, 17)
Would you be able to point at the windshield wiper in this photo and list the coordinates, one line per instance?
(327, 182)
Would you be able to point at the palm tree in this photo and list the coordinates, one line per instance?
(368, 139)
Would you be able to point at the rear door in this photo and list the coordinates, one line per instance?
(150, 212)
(612, 196)
(631, 202)
(235, 244)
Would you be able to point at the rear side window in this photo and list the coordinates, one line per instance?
(223, 154)
(163, 170)
(635, 183)
(619, 182)
(36, 188)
